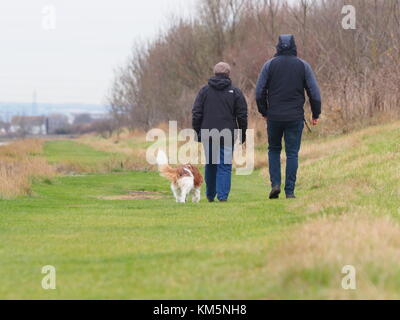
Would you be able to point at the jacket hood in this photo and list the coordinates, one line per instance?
(219, 82)
(286, 46)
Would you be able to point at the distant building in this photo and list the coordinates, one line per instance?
(29, 125)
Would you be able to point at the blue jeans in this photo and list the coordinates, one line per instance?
(218, 172)
(292, 132)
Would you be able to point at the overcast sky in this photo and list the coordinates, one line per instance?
(75, 61)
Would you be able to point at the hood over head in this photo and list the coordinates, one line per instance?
(219, 81)
(286, 45)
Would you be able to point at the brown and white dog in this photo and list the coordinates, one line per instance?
(185, 179)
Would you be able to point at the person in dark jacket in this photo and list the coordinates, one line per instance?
(220, 108)
(280, 96)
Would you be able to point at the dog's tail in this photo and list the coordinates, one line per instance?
(164, 168)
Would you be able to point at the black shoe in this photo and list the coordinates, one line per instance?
(210, 200)
(290, 196)
(276, 191)
(223, 200)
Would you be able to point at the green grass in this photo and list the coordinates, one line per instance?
(133, 249)
(71, 152)
(157, 249)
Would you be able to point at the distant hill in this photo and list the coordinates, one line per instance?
(10, 109)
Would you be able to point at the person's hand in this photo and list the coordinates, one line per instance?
(314, 122)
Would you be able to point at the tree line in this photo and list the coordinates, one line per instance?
(358, 69)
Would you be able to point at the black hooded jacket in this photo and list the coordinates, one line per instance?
(219, 105)
(280, 88)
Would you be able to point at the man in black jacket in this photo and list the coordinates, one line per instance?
(219, 110)
(280, 99)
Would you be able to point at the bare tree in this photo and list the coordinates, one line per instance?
(359, 70)
(267, 14)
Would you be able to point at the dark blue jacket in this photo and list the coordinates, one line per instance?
(219, 105)
(280, 88)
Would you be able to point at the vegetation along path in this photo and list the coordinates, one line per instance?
(120, 235)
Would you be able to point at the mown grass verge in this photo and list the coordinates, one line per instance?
(347, 213)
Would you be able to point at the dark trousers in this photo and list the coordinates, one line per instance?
(292, 132)
(218, 172)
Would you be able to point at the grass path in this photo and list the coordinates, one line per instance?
(133, 249)
(249, 248)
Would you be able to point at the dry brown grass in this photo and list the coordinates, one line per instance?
(347, 186)
(312, 151)
(124, 142)
(22, 148)
(106, 145)
(19, 165)
(325, 245)
(129, 145)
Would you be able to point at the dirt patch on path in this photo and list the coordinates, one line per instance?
(136, 195)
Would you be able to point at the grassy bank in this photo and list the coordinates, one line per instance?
(120, 235)
(21, 163)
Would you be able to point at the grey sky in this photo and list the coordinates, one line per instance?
(75, 61)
